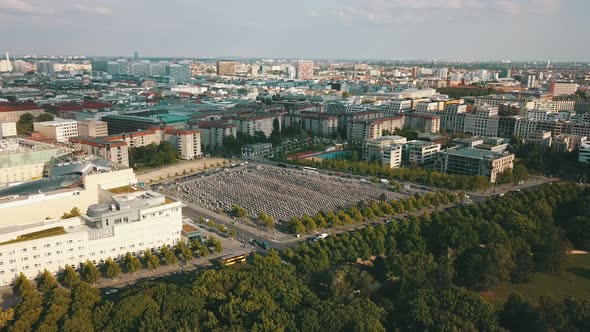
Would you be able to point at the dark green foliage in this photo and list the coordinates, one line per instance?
(152, 155)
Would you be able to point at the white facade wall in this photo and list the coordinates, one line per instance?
(161, 226)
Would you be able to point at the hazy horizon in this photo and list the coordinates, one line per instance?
(391, 30)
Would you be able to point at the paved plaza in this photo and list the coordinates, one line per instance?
(281, 192)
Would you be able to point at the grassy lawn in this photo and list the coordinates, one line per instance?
(574, 282)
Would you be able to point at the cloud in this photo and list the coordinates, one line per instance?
(249, 24)
(93, 10)
(515, 7)
(17, 7)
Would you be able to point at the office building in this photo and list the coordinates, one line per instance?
(185, 71)
(175, 73)
(563, 88)
(123, 66)
(92, 128)
(116, 151)
(45, 68)
(99, 65)
(60, 129)
(133, 221)
(140, 69)
(483, 122)
(226, 68)
(7, 129)
(530, 81)
(473, 161)
(567, 142)
(304, 70)
(121, 123)
(113, 68)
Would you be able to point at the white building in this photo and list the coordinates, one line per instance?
(7, 129)
(392, 156)
(421, 152)
(133, 222)
(60, 129)
(33, 206)
(584, 156)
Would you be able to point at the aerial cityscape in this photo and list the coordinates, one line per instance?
(333, 166)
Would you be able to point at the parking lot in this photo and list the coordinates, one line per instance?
(280, 192)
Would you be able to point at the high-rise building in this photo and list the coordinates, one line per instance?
(531, 80)
(6, 65)
(99, 65)
(442, 73)
(159, 68)
(123, 65)
(113, 68)
(185, 71)
(45, 67)
(304, 70)
(140, 69)
(136, 56)
(226, 68)
(175, 72)
(20, 66)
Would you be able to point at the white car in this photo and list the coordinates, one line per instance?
(111, 291)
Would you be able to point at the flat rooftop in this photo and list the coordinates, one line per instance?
(474, 153)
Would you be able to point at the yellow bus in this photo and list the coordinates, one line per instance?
(232, 259)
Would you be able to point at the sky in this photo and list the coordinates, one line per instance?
(515, 30)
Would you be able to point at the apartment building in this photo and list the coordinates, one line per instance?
(250, 124)
(483, 122)
(423, 122)
(60, 129)
(568, 142)
(213, 133)
(374, 149)
(393, 156)
(187, 142)
(473, 161)
(116, 151)
(226, 68)
(421, 152)
(319, 124)
(360, 131)
(132, 222)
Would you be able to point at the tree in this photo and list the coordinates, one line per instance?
(203, 250)
(111, 268)
(212, 242)
(74, 212)
(518, 314)
(239, 211)
(45, 117)
(523, 265)
(345, 94)
(47, 282)
(6, 316)
(90, 272)
(520, 173)
(152, 261)
(131, 263)
(24, 124)
(183, 252)
(168, 256)
(70, 277)
(233, 233)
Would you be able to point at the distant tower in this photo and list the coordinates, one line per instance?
(136, 56)
(548, 63)
(8, 63)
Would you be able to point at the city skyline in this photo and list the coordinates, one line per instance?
(350, 29)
